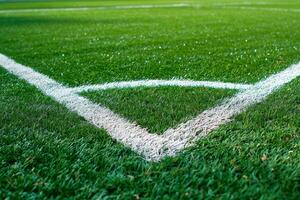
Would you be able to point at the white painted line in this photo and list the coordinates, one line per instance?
(160, 83)
(118, 128)
(187, 133)
(97, 8)
(262, 8)
(243, 3)
(153, 147)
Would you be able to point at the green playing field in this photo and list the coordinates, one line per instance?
(48, 151)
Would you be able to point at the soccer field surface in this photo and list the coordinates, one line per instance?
(154, 66)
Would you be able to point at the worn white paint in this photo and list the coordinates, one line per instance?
(124, 7)
(289, 10)
(160, 83)
(152, 146)
(234, 5)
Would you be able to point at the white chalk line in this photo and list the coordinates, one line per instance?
(153, 147)
(97, 8)
(241, 5)
(262, 8)
(160, 83)
(251, 3)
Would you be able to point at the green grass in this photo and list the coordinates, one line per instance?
(113, 45)
(47, 151)
(160, 108)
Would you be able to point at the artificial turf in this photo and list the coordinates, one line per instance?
(158, 109)
(48, 152)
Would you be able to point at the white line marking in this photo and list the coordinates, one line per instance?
(97, 8)
(262, 8)
(159, 83)
(243, 3)
(153, 147)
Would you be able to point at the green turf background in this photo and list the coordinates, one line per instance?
(158, 109)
